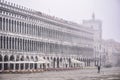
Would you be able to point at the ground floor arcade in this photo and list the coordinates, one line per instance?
(19, 62)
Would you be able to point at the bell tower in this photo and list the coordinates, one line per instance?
(93, 16)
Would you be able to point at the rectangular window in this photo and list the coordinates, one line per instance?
(3, 24)
(10, 25)
(23, 28)
(18, 44)
(15, 26)
(0, 23)
(27, 28)
(4, 41)
(20, 27)
(10, 43)
(6, 24)
(0, 42)
(7, 43)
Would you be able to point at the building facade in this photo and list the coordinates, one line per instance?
(97, 27)
(31, 40)
(111, 52)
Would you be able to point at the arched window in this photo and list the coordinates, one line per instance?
(17, 58)
(36, 58)
(12, 58)
(27, 58)
(6, 64)
(22, 58)
(32, 58)
(6, 58)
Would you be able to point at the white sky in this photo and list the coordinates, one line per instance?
(76, 10)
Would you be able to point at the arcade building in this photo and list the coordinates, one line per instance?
(32, 41)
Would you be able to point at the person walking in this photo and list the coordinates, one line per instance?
(98, 69)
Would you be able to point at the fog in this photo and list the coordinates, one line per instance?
(76, 10)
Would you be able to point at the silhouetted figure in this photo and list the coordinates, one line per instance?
(98, 69)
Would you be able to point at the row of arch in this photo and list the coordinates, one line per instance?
(17, 58)
(54, 62)
(34, 58)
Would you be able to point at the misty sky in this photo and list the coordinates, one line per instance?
(77, 10)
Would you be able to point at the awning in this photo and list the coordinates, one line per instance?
(76, 61)
(41, 60)
(44, 61)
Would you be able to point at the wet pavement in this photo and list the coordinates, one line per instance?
(85, 74)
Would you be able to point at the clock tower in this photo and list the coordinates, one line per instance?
(96, 25)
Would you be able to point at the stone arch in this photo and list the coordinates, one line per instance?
(80, 59)
(17, 64)
(32, 58)
(66, 59)
(1, 59)
(17, 58)
(43, 57)
(36, 58)
(12, 58)
(35, 64)
(27, 58)
(22, 58)
(60, 59)
(27, 64)
(6, 59)
(31, 64)
(85, 61)
(58, 62)
(51, 58)
(54, 62)
(48, 58)
(69, 62)
(88, 62)
(77, 58)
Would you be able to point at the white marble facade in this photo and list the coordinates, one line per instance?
(31, 40)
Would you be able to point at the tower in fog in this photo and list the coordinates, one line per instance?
(97, 27)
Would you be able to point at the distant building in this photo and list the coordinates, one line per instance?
(111, 49)
(31, 40)
(97, 27)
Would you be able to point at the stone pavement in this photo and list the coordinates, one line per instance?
(85, 74)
